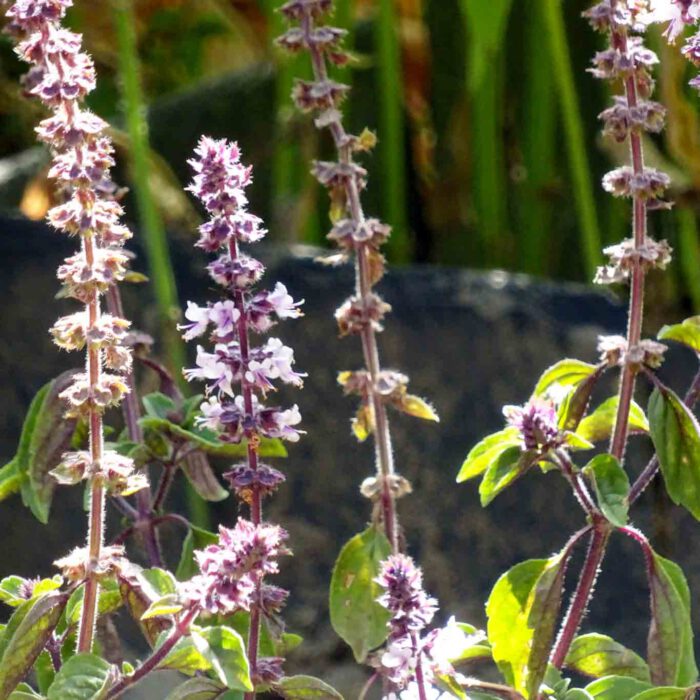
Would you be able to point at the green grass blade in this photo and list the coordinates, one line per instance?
(689, 253)
(392, 132)
(560, 62)
(151, 224)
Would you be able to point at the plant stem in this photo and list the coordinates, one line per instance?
(132, 413)
(420, 680)
(501, 690)
(649, 472)
(574, 478)
(88, 612)
(582, 595)
(151, 663)
(252, 455)
(383, 446)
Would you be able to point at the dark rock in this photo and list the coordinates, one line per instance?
(471, 342)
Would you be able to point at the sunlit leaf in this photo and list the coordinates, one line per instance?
(612, 488)
(597, 655)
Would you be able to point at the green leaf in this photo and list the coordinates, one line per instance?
(138, 593)
(109, 601)
(666, 694)
(202, 689)
(208, 441)
(597, 655)
(196, 538)
(510, 464)
(10, 479)
(575, 404)
(82, 677)
(670, 645)
(202, 477)
(225, 650)
(612, 488)
(486, 452)
(183, 657)
(159, 405)
(25, 692)
(12, 593)
(44, 671)
(355, 614)
(161, 580)
(675, 433)
(687, 333)
(566, 373)
(578, 694)
(598, 426)
(163, 607)
(522, 612)
(25, 638)
(46, 435)
(616, 688)
(306, 688)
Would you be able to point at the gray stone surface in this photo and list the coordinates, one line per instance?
(471, 342)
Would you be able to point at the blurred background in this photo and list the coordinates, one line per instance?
(489, 153)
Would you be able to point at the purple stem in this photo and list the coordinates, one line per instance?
(131, 413)
(582, 595)
(151, 663)
(383, 446)
(577, 483)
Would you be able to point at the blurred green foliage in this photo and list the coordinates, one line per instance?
(489, 152)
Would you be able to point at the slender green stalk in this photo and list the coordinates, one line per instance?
(488, 165)
(560, 62)
(689, 253)
(151, 224)
(152, 228)
(539, 153)
(392, 129)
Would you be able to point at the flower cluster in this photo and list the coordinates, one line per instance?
(239, 376)
(61, 76)
(234, 365)
(232, 569)
(677, 15)
(409, 648)
(537, 423)
(631, 114)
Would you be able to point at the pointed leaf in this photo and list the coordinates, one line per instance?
(196, 538)
(616, 688)
(597, 655)
(666, 694)
(574, 406)
(687, 333)
(163, 607)
(670, 644)
(355, 614)
(510, 464)
(566, 373)
(485, 452)
(598, 426)
(10, 479)
(82, 677)
(306, 688)
(159, 405)
(23, 642)
(522, 612)
(204, 689)
(138, 594)
(183, 657)
(225, 650)
(676, 436)
(612, 487)
(417, 407)
(202, 477)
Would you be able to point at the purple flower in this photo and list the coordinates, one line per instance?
(231, 569)
(410, 607)
(537, 423)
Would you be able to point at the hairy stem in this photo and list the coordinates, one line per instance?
(88, 612)
(151, 663)
(253, 461)
(382, 433)
(584, 590)
(132, 413)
